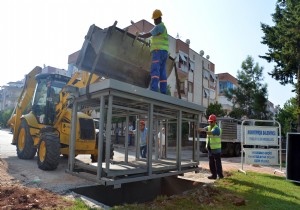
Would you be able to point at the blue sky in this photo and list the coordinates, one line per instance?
(38, 32)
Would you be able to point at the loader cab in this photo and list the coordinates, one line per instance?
(46, 96)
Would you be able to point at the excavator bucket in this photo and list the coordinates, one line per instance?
(114, 53)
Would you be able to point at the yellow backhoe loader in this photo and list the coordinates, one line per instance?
(45, 129)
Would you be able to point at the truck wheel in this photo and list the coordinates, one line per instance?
(237, 149)
(225, 148)
(94, 158)
(231, 149)
(48, 152)
(203, 147)
(25, 144)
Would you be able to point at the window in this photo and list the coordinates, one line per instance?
(206, 74)
(182, 87)
(212, 94)
(190, 87)
(212, 77)
(205, 93)
(191, 66)
(183, 61)
(221, 87)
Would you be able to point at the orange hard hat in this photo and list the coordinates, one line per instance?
(156, 14)
(212, 118)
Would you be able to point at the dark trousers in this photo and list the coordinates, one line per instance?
(215, 164)
(143, 150)
(117, 138)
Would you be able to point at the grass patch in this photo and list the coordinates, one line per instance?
(263, 191)
(237, 191)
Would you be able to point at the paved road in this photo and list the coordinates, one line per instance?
(28, 173)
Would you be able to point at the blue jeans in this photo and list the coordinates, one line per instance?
(143, 150)
(158, 70)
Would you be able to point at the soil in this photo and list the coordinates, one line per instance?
(14, 195)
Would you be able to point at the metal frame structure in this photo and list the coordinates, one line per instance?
(253, 122)
(118, 99)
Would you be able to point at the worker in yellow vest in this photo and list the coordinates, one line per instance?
(159, 49)
(213, 146)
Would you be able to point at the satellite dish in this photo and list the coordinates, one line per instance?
(207, 57)
(201, 52)
(188, 41)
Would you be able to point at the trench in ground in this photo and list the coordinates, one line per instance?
(136, 192)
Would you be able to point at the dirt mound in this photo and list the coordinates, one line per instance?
(15, 196)
(18, 197)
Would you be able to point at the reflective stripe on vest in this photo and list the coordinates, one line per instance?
(161, 41)
(215, 141)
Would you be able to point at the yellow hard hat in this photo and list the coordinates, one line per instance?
(156, 14)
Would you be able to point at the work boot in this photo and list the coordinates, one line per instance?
(212, 177)
(221, 177)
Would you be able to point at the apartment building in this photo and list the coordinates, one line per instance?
(9, 94)
(225, 82)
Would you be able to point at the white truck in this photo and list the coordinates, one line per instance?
(231, 136)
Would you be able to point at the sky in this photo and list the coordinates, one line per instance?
(44, 32)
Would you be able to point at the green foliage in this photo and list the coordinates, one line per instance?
(287, 116)
(283, 40)
(215, 109)
(4, 117)
(237, 113)
(250, 97)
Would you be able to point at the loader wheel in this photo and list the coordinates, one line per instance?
(48, 151)
(231, 149)
(25, 144)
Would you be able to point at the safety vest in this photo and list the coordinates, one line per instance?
(161, 41)
(215, 141)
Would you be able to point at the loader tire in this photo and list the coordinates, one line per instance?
(25, 144)
(48, 152)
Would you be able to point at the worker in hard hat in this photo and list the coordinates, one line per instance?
(159, 49)
(213, 146)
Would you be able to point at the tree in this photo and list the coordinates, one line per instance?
(237, 113)
(4, 116)
(283, 40)
(287, 116)
(215, 109)
(250, 97)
